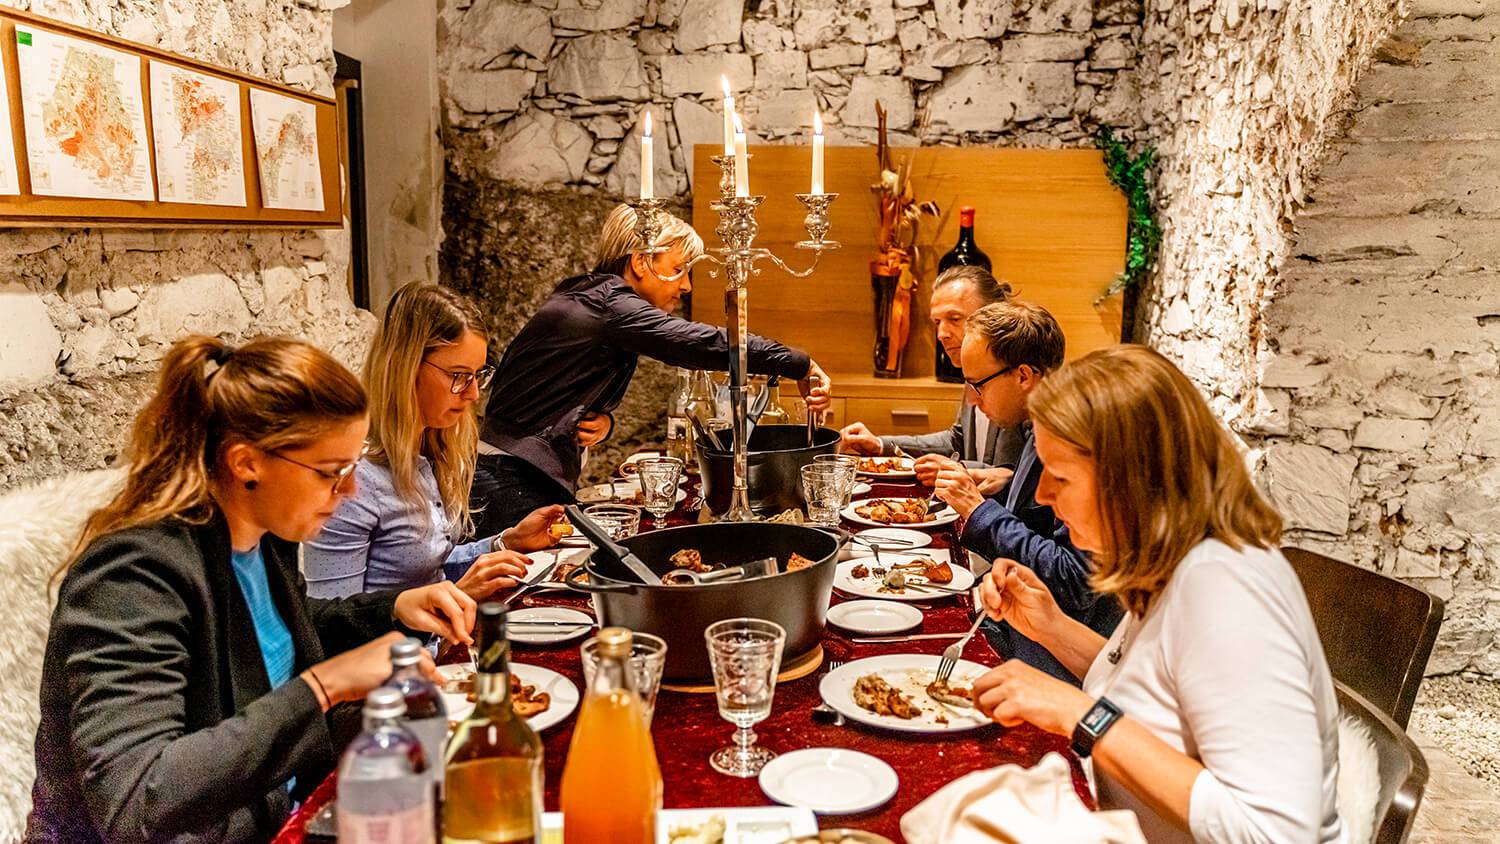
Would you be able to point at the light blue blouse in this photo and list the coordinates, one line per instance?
(375, 539)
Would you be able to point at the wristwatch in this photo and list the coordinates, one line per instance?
(1093, 725)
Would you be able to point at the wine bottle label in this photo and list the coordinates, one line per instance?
(412, 826)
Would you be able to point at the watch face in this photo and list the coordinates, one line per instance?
(1096, 719)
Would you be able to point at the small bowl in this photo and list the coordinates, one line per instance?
(858, 836)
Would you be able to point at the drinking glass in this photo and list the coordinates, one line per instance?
(659, 477)
(849, 463)
(621, 521)
(648, 655)
(826, 488)
(745, 654)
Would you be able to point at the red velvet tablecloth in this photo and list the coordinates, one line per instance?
(688, 728)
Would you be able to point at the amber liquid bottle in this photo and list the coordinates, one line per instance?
(965, 251)
(611, 786)
(493, 778)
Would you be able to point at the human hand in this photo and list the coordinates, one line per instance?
(857, 439)
(927, 467)
(492, 572)
(954, 485)
(441, 608)
(992, 479)
(534, 532)
(1015, 692)
(352, 674)
(816, 389)
(592, 429)
(1014, 594)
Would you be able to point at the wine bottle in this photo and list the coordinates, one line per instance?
(677, 421)
(493, 780)
(965, 251)
(384, 791)
(612, 755)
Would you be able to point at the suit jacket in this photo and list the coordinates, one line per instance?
(1001, 446)
(1013, 525)
(158, 722)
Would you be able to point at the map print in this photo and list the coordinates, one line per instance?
(196, 122)
(85, 121)
(286, 148)
(10, 175)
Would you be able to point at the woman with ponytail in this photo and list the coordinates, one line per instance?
(426, 368)
(185, 683)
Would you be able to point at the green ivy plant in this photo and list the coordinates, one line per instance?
(1132, 175)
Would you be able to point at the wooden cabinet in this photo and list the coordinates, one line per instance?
(896, 405)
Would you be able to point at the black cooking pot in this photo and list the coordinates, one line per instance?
(796, 600)
(776, 455)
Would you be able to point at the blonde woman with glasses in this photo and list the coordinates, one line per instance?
(1210, 710)
(401, 527)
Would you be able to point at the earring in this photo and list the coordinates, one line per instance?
(251, 485)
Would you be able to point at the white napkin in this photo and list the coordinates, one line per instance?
(1015, 805)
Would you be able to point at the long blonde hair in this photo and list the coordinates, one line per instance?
(618, 240)
(1168, 474)
(273, 393)
(421, 317)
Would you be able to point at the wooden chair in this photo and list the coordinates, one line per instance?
(1377, 631)
(1403, 770)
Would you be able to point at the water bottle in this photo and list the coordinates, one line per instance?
(385, 791)
(426, 715)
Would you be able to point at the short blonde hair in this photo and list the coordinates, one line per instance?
(618, 240)
(1168, 474)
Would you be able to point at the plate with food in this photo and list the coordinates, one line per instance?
(829, 780)
(902, 512)
(566, 558)
(626, 491)
(887, 468)
(542, 696)
(750, 825)
(875, 618)
(899, 692)
(631, 465)
(926, 575)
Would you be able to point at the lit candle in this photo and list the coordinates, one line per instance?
(648, 162)
(817, 173)
(728, 117)
(741, 160)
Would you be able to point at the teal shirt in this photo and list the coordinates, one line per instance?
(271, 632)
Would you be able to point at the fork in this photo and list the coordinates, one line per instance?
(953, 651)
(824, 713)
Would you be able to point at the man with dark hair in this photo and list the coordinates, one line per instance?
(1007, 349)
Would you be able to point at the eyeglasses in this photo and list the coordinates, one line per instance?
(462, 378)
(338, 476)
(976, 386)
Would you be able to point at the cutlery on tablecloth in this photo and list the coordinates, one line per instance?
(823, 713)
(915, 637)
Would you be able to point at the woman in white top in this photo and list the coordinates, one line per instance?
(1227, 720)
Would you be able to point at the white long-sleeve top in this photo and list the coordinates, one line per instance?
(1227, 668)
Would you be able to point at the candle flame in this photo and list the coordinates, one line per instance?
(647, 132)
(739, 128)
(724, 80)
(817, 123)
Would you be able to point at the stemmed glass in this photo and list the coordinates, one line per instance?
(659, 477)
(745, 654)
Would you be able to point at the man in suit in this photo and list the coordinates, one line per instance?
(1008, 349)
(989, 451)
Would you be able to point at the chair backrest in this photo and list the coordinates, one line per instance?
(1403, 770)
(1377, 631)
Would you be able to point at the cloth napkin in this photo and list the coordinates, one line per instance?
(1015, 805)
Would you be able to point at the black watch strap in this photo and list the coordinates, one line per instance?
(1093, 725)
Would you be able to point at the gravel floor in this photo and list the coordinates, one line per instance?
(1461, 713)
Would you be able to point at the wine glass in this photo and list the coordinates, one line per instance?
(745, 654)
(826, 487)
(659, 477)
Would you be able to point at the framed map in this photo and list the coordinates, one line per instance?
(286, 148)
(10, 175)
(195, 121)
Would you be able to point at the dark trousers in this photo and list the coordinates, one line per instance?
(506, 489)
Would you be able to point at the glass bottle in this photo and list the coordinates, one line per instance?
(964, 252)
(385, 794)
(677, 421)
(612, 755)
(701, 406)
(426, 715)
(493, 780)
(775, 413)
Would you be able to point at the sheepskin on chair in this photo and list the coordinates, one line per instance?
(1359, 780)
(38, 526)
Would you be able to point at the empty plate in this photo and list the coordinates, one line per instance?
(546, 625)
(876, 617)
(829, 780)
(890, 539)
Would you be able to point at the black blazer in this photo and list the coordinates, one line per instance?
(157, 719)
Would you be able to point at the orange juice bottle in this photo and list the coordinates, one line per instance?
(611, 785)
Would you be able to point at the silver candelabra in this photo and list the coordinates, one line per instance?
(738, 256)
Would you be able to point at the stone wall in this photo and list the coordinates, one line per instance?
(88, 313)
(1385, 449)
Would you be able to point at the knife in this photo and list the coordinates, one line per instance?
(532, 583)
(886, 640)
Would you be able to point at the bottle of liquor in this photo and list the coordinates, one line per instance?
(702, 405)
(384, 791)
(493, 782)
(677, 421)
(612, 755)
(775, 413)
(426, 716)
(965, 251)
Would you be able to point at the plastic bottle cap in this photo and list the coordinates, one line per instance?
(385, 702)
(615, 642)
(408, 651)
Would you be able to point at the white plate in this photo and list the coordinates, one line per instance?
(634, 459)
(910, 673)
(861, 488)
(946, 516)
(754, 825)
(904, 537)
(562, 554)
(624, 489)
(874, 617)
(829, 780)
(902, 469)
(547, 635)
(870, 585)
(564, 693)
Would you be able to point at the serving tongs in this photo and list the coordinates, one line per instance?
(747, 571)
(605, 544)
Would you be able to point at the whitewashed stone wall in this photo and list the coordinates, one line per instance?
(1384, 444)
(86, 314)
(549, 92)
